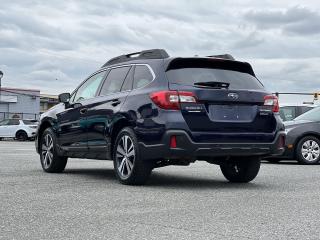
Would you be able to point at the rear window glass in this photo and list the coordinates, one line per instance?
(191, 76)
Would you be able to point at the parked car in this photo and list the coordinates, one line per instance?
(19, 129)
(147, 110)
(290, 112)
(303, 139)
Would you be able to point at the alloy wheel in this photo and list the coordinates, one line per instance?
(47, 151)
(125, 156)
(310, 150)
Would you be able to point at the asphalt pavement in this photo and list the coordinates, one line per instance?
(194, 202)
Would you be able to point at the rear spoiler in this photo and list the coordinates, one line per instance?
(216, 63)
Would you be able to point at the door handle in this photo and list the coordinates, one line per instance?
(83, 110)
(115, 102)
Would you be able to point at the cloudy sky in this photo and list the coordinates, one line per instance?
(54, 45)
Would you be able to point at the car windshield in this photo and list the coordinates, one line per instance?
(312, 115)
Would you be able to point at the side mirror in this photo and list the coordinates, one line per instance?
(64, 97)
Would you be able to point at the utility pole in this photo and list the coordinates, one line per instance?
(1, 75)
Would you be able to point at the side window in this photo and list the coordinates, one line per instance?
(288, 113)
(30, 122)
(305, 109)
(127, 85)
(89, 88)
(14, 122)
(4, 122)
(114, 80)
(142, 76)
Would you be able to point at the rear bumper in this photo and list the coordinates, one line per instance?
(188, 149)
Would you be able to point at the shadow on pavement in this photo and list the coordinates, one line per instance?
(95, 173)
(191, 182)
(168, 180)
(288, 162)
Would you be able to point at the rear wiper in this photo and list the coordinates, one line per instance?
(216, 85)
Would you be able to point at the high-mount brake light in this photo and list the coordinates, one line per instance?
(171, 100)
(271, 100)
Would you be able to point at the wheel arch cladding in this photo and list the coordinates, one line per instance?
(43, 127)
(116, 128)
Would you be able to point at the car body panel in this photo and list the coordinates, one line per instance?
(10, 131)
(151, 124)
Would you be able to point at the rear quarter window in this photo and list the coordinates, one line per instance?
(142, 76)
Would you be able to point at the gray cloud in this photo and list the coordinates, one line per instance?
(295, 20)
(67, 40)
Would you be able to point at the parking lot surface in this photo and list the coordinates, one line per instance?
(195, 202)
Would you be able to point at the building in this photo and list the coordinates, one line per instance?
(19, 103)
(47, 101)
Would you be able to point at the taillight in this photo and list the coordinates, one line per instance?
(271, 100)
(171, 99)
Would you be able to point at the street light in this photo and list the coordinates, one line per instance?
(1, 75)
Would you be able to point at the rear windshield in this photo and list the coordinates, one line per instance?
(192, 76)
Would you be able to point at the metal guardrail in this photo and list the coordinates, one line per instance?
(5, 115)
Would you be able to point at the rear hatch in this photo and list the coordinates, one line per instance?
(230, 100)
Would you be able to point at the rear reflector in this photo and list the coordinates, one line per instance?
(173, 141)
(171, 99)
(281, 142)
(271, 100)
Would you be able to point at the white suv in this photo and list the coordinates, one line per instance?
(19, 129)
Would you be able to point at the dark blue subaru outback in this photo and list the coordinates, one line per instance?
(146, 110)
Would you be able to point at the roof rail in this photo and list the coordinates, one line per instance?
(145, 54)
(224, 56)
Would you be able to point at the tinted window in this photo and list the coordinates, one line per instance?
(142, 76)
(190, 76)
(288, 113)
(89, 88)
(312, 115)
(30, 122)
(4, 122)
(305, 109)
(14, 122)
(127, 85)
(114, 80)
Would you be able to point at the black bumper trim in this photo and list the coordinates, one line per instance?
(188, 149)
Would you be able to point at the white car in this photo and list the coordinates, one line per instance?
(19, 129)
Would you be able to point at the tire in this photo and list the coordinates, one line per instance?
(241, 170)
(21, 135)
(273, 160)
(308, 150)
(51, 162)
(129, 168)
